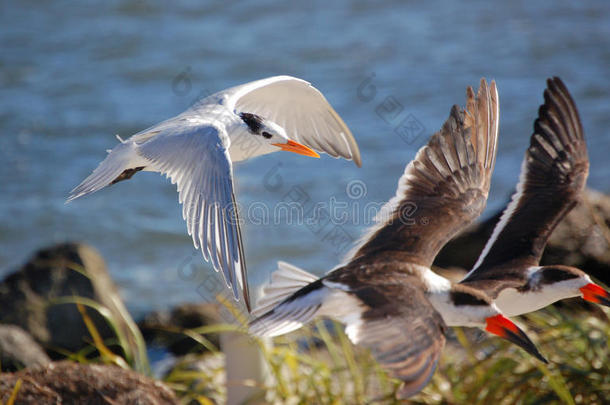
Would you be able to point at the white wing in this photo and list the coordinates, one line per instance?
(196, 158)
(301, 110)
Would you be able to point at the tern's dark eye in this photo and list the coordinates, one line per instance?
(266, 134)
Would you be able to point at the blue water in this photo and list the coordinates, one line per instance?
(73, 76)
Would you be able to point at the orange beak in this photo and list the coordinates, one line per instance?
(594, 293)
(295, 147)
(505, 328)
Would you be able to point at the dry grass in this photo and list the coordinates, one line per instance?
(316, 366)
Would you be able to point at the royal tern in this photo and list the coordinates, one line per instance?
(196, 150)
(553, 176)
(389, 299)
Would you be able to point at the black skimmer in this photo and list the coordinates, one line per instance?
(553, 175)
(196, 150)
(389, 299)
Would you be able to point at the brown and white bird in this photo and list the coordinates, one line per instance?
(197, 149)
(553, 175)
(386, 294)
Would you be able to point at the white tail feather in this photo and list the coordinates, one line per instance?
(285, 281)
(279, 311)
(122, 157)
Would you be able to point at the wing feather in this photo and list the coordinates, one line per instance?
(405, 334)
(444, 188)
(388, 315)
(553, 175)
(301, 110)
(196, 159)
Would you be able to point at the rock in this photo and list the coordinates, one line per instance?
(19, 350)
(65, 270)
(581, 239)
(163, 328)
(66, 382)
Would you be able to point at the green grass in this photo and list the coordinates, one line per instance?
(133, 347)
(315, 365)
(577, 347)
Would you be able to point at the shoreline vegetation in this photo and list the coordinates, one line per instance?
(319, 365)
(105, 356)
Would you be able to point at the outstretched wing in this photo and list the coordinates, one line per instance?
(444, 188)
(389, 315)
(196, 159)
(553, 174)
(301, 110)
(409, 351)
(403, 331)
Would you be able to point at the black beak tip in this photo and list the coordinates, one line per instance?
(521, 339)
(541, 358)
(533, 350)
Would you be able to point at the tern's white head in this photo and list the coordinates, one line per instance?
(259, 136)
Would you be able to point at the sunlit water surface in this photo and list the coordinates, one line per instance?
(73, 76)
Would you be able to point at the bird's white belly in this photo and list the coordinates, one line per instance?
(512, 302)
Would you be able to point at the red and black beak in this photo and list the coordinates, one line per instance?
(505, 328)
(594, 293)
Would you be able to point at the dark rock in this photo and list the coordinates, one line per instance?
(66, 382)
(27, 298)
(163, 328)
(19, 350)
(581, 239)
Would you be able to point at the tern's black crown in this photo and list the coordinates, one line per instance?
(253, 121)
